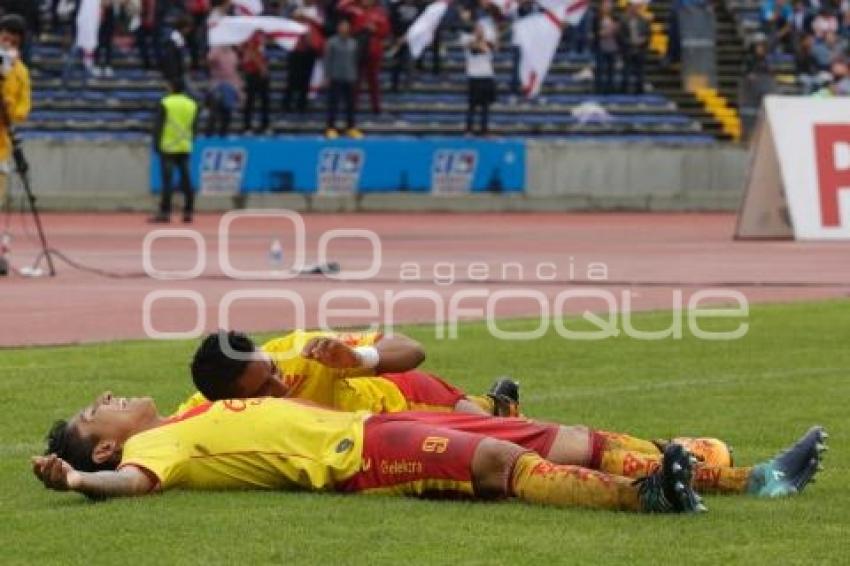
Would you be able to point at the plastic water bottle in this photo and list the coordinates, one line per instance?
(276, 254)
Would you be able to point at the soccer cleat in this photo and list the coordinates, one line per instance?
(354, 134)
(331, 133)
(505, 395)
(669, 490)
(792, 470)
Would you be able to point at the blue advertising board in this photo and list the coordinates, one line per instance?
(316, 165)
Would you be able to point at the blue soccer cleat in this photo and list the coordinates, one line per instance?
(792, 470)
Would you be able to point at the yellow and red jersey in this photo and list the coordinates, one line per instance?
(264, 443)
(305, 379)
(351, 389)
(308, 379)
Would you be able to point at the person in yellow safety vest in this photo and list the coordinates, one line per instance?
(174, 134)
(14, 88)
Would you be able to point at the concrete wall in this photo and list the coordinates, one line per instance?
(638, 176)
(561, 176)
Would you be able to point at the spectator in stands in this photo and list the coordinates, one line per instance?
(828, 49)
(606, 46)
(341, 62)
(579, 36)
(371, 26)
(634, 41)
(105, 39)
(801, 21)
(673, 56)
(62, 13)
(15, 87)
(198, 11)
(225, 92)
(255, 69)
(479, 49)
(806, 65)
(757, 81)
(147, 34)
(402, 15)
(302, 59)
(824, 23)
(173, 65)
(776, 23)
(174, 133)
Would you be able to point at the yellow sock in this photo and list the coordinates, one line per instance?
(536, 480)
(716, 479)
(707, 478)
(617, 441)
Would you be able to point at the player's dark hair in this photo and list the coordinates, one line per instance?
(65, 440)
(14, 24)
(214, 371)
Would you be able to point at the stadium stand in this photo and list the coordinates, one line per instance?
(121, 106)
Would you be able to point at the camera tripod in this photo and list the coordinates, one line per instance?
(22, 169)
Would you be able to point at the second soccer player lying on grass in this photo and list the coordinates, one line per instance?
(356, 371)
(123, 447)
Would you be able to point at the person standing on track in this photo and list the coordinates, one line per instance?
(174, 135)
(15, 89)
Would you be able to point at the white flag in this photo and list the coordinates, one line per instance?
(566, 11)
(235, 30)
(420, 34)
(537, 37)
(248, 7)
(88, 23)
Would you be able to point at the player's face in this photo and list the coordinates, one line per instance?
(115, 418)
(261, 378)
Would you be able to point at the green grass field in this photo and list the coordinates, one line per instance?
(759, 393)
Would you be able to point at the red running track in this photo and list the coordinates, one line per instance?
(433, 256)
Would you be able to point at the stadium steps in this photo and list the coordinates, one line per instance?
(122, 106)
(667, 81)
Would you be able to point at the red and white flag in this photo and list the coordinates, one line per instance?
(421, 32)
(236, 30)
(88, 23)
(248, 7)
(567, 11)
(538, 36)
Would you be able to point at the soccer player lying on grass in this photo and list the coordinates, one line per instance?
(252, 373)
(349, 372)
(123, 447)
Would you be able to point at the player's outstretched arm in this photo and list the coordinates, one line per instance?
(399, 353)
(58, 475)
(393, 354)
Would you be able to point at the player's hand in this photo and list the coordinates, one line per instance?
(331, 353)
(55, 473)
